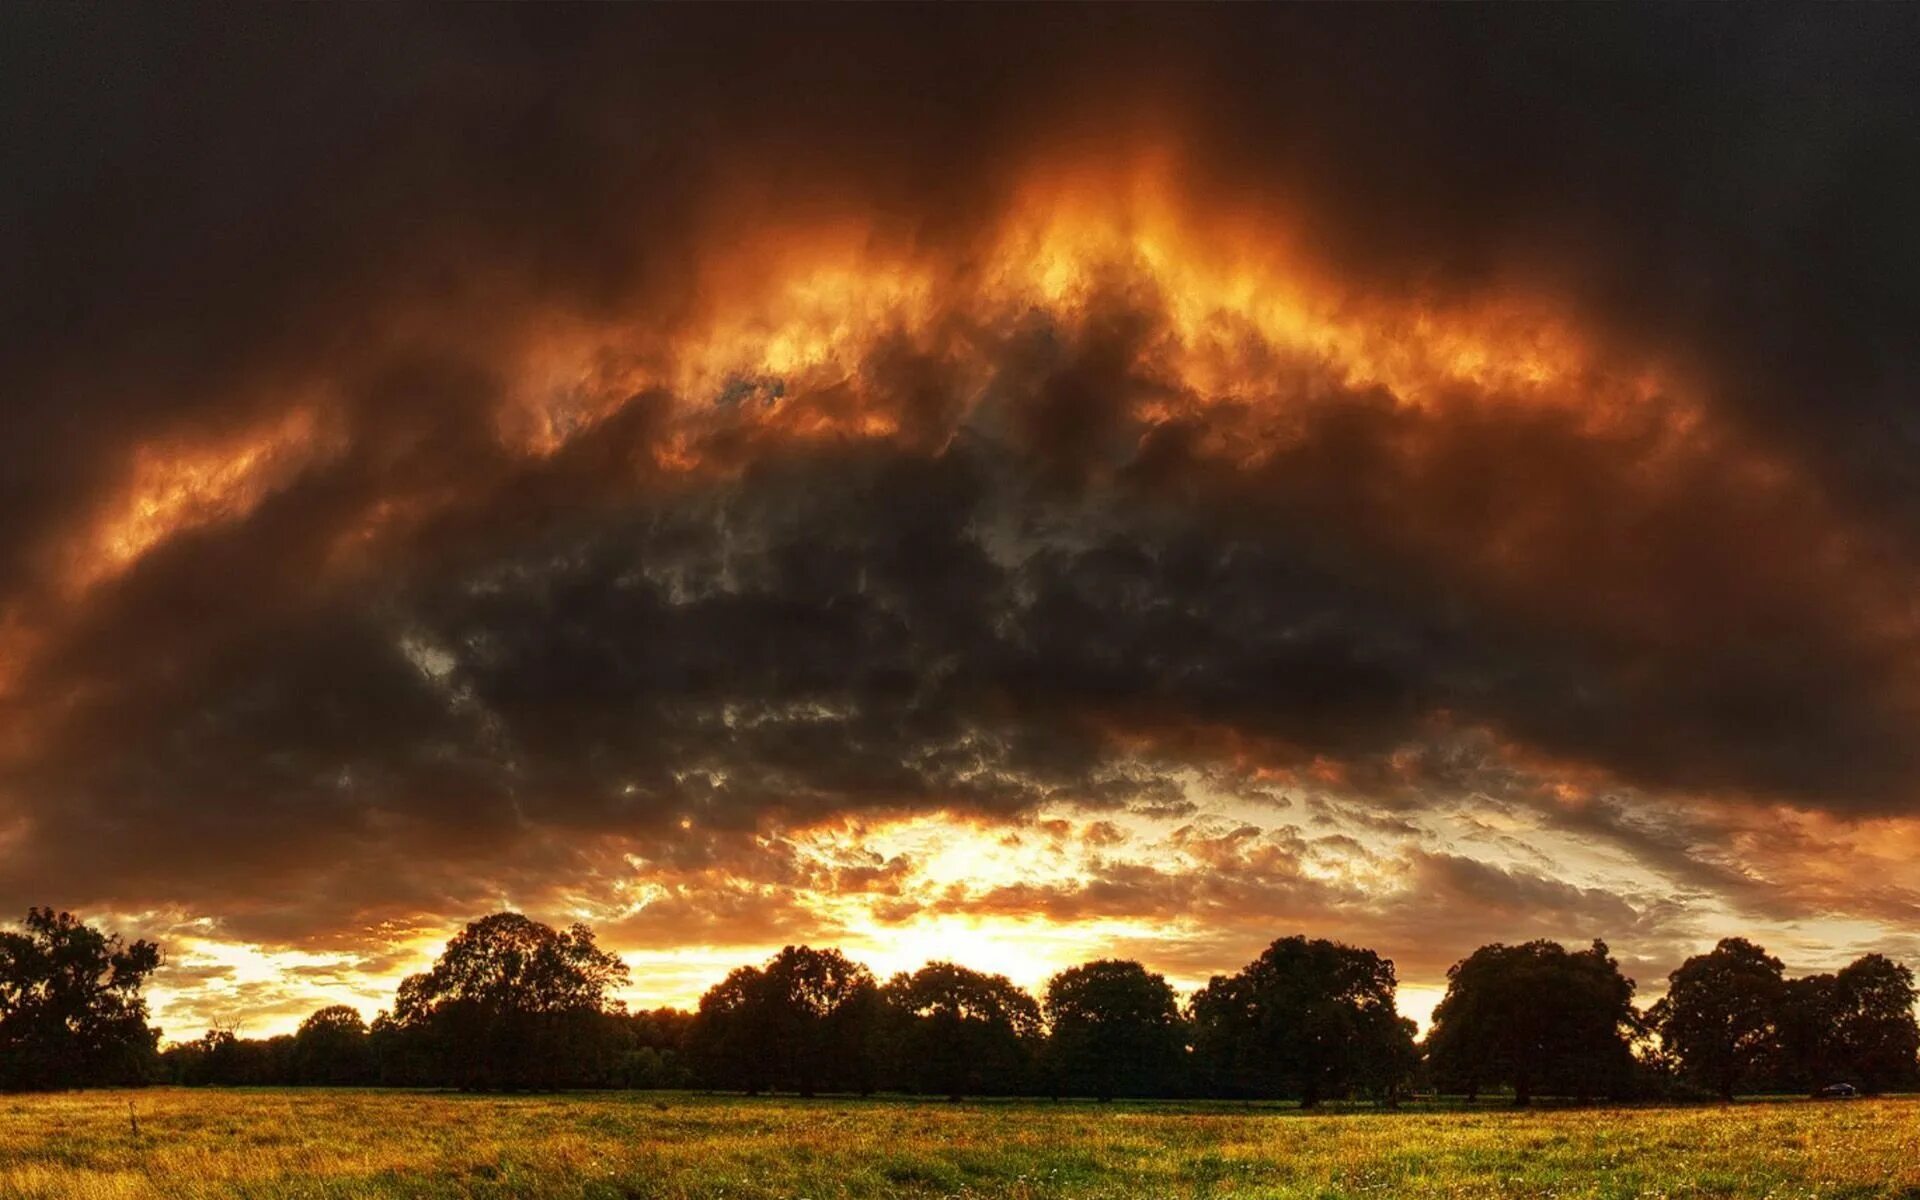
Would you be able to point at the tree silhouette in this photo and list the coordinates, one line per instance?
(1115, 1030)
(1720, 1018)
(962, 1033)
(1308, 1018)
(209, 1059)
(221, 1058)
(654, 1050)
(1878, 1037)
(1537, 1018)
(512, 1003)
(805, 1022)
(731, 1045)
(1856, 1026)
(406, 1056)
(71, 1014)
(333, 1048)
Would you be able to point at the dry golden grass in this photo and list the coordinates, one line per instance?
(372, 1143)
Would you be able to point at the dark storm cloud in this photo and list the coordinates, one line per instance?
(1034, 598)
(831, 633)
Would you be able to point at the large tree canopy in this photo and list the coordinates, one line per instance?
(1536, 1018)
(1115, 1030)
(806, 1022)
(1876, 1039)
(963, 1032)
(1852, 1026)
(71, 1014)
(510, 963)
(1720, 1018)
(333, 1047)
(514, 1003)
(1308, 1018)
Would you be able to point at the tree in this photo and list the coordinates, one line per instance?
(222, 1058)
(1856, 1026)
(959, 1032)
(404, 1056)
(1879, 1040)
(1720, 1018)
(206, 1060)
(333, 1048)
(1115, 1030)
(1806, 1050)
(1311, 1019)
(71, 1014)
(654, 1053)
(805, 1022)
(1537, 1018)
(512, 1003)
(731, 1046)
(826, 1008)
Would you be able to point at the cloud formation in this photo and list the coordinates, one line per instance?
(1426, 476)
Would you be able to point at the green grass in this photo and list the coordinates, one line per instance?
(270, 1144)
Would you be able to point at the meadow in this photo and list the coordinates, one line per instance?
(341, 1143)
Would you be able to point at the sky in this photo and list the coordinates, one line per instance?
(1006, 485)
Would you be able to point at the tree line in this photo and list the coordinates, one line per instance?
(512, 1004)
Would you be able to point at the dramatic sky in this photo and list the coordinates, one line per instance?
(1006, 485)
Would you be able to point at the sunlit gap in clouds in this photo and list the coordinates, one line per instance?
(1190, 892)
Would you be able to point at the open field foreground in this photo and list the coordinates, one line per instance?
(339, 1143)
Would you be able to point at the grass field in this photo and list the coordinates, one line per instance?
(370, 1143)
